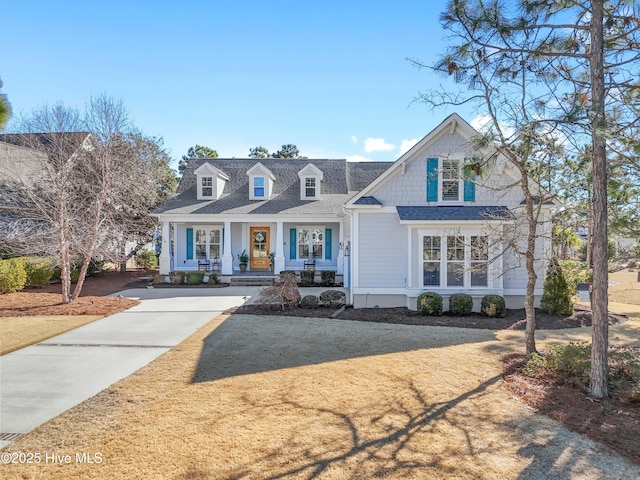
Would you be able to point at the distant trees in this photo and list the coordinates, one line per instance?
(5, 109)
(95, 180)
(199, 151)
(288, 150)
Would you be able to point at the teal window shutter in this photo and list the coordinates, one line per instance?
(292, 243)
(469, 185)
(470, 189)
(189, 243)
(432, 179)
(327, 244)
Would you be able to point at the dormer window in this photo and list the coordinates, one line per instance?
(260, 182)
(310, 178)
(206, 187)
(258, 187)
(210, 182)
(310, 187)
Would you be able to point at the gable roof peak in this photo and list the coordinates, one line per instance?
(310, 169)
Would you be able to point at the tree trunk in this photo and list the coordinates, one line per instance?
(600, 336)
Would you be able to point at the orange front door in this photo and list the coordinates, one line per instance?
(259, 256)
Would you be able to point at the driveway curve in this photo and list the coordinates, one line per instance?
(43, 380)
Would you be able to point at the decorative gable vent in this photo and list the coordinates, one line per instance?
(210, 181)
(260, 182)
(310, 178)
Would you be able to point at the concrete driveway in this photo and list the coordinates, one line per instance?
(41, 381)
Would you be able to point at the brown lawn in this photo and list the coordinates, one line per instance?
(280, 397)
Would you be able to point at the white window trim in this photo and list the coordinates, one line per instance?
(252, 195)
(303, 187)
(441, 180)
(208, 229)
(467, 234)
(310, 242)
(201, 195)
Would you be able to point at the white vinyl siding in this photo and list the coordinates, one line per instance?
(382, 254)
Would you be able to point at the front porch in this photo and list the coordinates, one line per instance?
(261, 248)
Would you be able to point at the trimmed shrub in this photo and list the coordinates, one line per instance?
(556, 296)
(177, 277)
(309, 301)
(214, 279)
(13, 275)
(194, 278)
(327, 277)
(493, 306)
(146, 259)
(460, 304)
(568, 364)
(333, 298)
(39, 271)
(307, 277)
(430, 303)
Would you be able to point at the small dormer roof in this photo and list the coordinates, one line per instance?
(260, 169)
(310, 170)
(208, 169)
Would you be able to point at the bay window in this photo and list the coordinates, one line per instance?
(455, 261)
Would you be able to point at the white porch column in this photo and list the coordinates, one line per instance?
(227, 258)
(165, 253)
(340, 268)
(279, 260)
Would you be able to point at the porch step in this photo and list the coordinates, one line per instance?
(252, 281)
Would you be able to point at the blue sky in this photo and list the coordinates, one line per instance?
(330, 77)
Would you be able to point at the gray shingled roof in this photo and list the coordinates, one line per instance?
(457, 213)
(368, 201)
(340, 180)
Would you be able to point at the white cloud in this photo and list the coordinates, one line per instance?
(377, 145)
(407, 144)
(358, 158)
(483, 123)
(354, 139)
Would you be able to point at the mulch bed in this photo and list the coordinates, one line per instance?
(513, 319)
(611, 421)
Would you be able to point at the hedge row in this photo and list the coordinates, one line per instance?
(18, 273)
(430, 303)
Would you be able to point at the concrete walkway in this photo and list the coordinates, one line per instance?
(41, 381)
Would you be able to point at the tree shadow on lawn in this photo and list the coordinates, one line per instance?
(246, 344)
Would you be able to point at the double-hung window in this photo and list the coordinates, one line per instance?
(455, 261)
(451, 180)
(207, 186)
(258, 187)
(310, 187)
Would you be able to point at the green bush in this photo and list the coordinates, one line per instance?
(307, 277)
(146, 259)
(460, 304)
(12, 272)
(430, 303)
(568, 364)
(214, 279)
(575, 273)
(556, 296)
(309, 302)
(327, 277)
(493, 306)
(39, 271)
(333, 298)
(194, 278)
(13, 275)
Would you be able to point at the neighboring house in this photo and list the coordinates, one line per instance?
(394, 229)
(21, 160)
